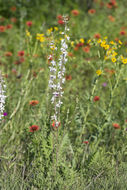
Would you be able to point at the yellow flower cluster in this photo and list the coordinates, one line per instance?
(98, 72)
(124, 60)
(82, 40)
(40, 37)
(51, 29)
(28, 33)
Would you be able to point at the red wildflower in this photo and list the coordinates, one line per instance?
(9, 26)
(29, 23)
(116, 39)
(14, 71)
(101, 4)
(59, 17)
(33, 128)
(111, 18)
(116, 125)
(75, 12)
(13, 19)
(97, 35)
(80, 44)
(55, 124)
(21, 59)
(13, 9)
(96, 98)
(33, 102)
(76, 48)
(6, 75)
(17, 62)
(61, 22)
(91, 11)
(8, 54)
(21, 53)
(2, 28)
(86, 49)
(86, 142)
(70, 54)
(113, 2)
(109, 5)
(122, 32)
(68, 77)
(34, 74)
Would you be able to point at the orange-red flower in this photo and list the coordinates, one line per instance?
(13, 9)
(29, 23)
(91, 11)
(111, 18)
(75, 12)
(8, 54)
(116, 125)
(96, 98)
(61, 22)
(76, 48)
(21, 53)
(116, 39)
(70, 54)
(54, 125)
(2, 28)
(13, 19)
(79, 44)
(86, 49)
(68, 77)
(122, 32)
(111, 4)
(34, 102)
(9, 26)
(59, 17)
(97, 35)
(33, 128)
(86, 142)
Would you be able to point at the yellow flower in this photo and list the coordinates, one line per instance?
(111, 42)
(113, 59)
(103, 43)
(27, 33)
(105, 57)
(82, 40)
(114, 54)
(52, 47)
(40, 37)
(120, 42)
(124, 61)
(50, 30)
(99, 41)
(89, 41)
(56, 28)
(106, 46)
(105, 37)
(108, 52)
(72, 43)
(98, 72)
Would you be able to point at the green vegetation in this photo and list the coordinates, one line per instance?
(85, 148)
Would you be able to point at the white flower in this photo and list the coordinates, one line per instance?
(2, 96)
